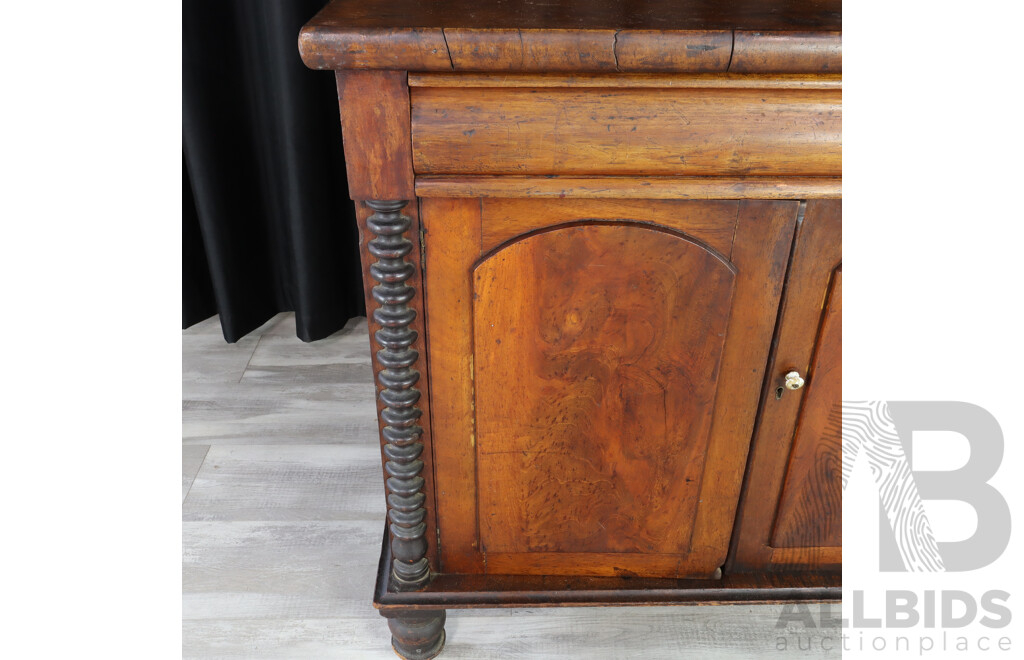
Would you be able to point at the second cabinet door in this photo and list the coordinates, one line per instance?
(594, 370)
(791, 515)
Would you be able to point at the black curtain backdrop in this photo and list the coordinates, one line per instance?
(267, 225)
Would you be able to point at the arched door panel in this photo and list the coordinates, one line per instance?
(597, 349)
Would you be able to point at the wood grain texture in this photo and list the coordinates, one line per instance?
(531, 50)
(596, 353)
(279, 570)
(633, 80)
(205, 362)
(460, 592)
(496, 590)
(589, 563)
(258, 413)
(730, 632)
(283, 638)
(810, 510)
(346, 47)
(582, 15)
(524, 35)
(673, 132)
(375, 129)
(192, 457)
(280, 360)
(453, 228)
(289, 392)
(667, 188)
(286, 483)
(762, 234)
(709, 223)
(793, 52)
(825, 557)
(817, 254)
(668, 50)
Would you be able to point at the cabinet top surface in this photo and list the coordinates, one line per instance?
(763, 15)
(668, 36)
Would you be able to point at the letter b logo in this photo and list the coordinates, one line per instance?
(883, 431)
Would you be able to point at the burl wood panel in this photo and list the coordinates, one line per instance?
(811, 509)
(596, 353)
(645, 132)
(816, 261)
(758, 251)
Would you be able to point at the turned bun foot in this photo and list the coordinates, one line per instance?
(417, 635)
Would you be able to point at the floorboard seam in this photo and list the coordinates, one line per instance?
(193, 482)
(251, 355)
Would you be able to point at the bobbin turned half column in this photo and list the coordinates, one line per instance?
(414, 635)
(397, 378)
(375, 124)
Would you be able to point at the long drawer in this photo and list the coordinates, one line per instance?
(675, 130)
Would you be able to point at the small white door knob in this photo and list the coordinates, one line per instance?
(794, 381)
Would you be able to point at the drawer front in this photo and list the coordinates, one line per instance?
(645, 132)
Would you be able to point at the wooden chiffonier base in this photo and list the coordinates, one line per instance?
(603, 269)
(455, 591)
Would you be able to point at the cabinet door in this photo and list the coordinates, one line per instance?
(791, 514)
(594, 369)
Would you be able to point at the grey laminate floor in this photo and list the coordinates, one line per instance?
(283, 508)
